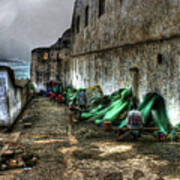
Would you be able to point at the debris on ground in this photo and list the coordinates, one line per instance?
(55, 148)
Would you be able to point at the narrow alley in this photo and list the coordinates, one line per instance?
(89, 90)
(62, 150)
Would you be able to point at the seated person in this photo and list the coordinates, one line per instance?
(74, 110)
(134, 119)
(73, 106)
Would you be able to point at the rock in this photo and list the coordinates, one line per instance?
(114, 176)
(12, 163)
(34, 159)
(30, 160)
(20, 162)
(27, 125)
(8, 154)
(138, 174)
(19, 151)
(3, 166)
(27, 157)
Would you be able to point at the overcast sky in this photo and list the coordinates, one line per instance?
(27, 24)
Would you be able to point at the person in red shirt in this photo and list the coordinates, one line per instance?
(60, 98)
(52, 96)
(53, 84)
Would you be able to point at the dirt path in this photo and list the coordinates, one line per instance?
(83, 151)
(47, 134)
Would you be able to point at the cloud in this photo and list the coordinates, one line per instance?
(32, 22)
(8, 14)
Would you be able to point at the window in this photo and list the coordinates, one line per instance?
(65, 43)
(78, 24)
(47, 75)
(45, 56)
(87, 16)
(159, 59)
(101, 7)
(37, 77)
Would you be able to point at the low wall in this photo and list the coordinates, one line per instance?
(14, 101)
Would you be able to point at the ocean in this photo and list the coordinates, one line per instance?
(21, 68)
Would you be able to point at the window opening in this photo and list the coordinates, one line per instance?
(159, 59)
(78, 24)
(101, 7)
(87, 16)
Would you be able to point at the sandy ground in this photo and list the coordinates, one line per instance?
(83, 151)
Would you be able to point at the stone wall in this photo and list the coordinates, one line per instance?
(51, 63)
(40, 67)
(14, 101)
(124, 22)
(4, 114)
(135, 43)
(10, 99)
(158, 65)
(65, 64)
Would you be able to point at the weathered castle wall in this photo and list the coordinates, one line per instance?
(51, 63)
(111, 70)
(40, 68)
(124, 22)
(135, 43)
(65, 64)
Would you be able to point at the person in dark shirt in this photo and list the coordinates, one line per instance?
(82, 100)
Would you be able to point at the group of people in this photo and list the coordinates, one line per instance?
(79, 104)
(56, 92)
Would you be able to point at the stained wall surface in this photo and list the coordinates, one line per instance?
(123, 22)
(51, 63)
(10, 100)
(131, 34)
(4, 116)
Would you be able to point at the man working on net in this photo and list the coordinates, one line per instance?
(134, 120)
(82, 100)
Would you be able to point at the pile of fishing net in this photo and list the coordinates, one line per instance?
(92, 93)
(154, 112)
(115, 108)
(71, 94)
(110, 108)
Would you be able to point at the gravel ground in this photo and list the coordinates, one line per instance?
(83, 151)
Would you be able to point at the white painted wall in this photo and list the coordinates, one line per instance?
(10, 100)
(14, 95)
(4, 116)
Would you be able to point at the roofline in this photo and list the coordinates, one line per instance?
(10, 71)
(12, 75)
(41, 49)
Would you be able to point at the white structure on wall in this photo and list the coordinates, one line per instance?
(10, 97)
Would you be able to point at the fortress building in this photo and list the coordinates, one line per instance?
(51, 63)
(128, 43)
